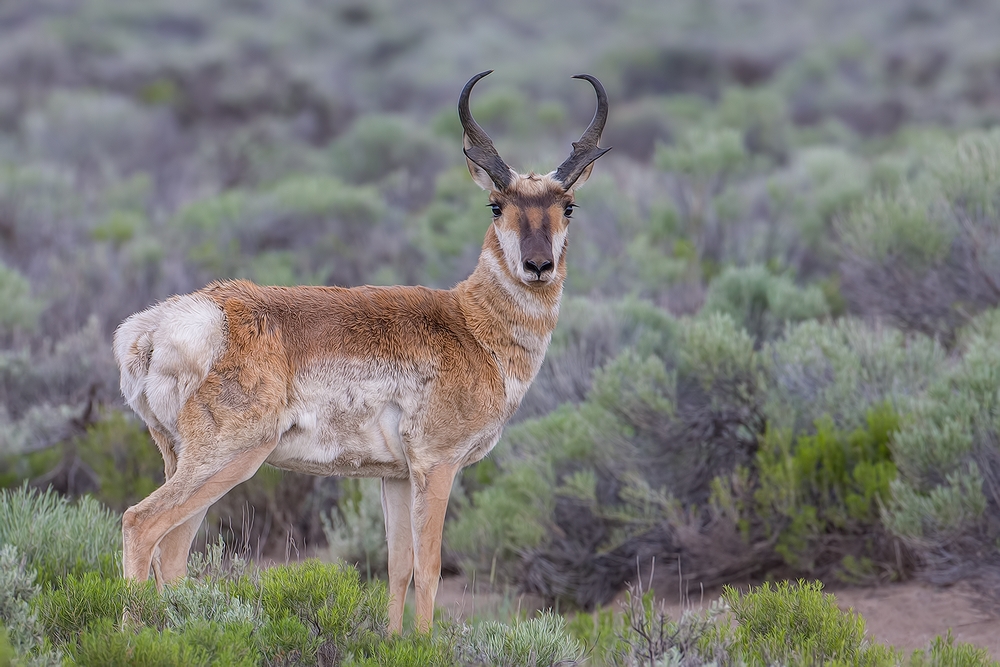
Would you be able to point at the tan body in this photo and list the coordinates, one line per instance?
(404, 383)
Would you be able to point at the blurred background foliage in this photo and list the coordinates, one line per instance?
(778, 348)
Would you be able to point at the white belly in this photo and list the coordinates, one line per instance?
(345, 422)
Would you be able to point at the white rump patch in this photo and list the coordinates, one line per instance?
(165, 353)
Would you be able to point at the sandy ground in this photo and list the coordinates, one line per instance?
(906, 615)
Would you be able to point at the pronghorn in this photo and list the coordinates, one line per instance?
(404, 383)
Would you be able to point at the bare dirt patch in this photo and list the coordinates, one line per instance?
(909, 615)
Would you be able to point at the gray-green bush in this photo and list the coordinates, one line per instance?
(761, 302)
(945, 504)
(57, 537)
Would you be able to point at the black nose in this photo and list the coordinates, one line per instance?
(538, 267)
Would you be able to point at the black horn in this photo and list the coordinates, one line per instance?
(585, 151)
(479, 147)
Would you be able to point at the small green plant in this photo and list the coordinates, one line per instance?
(542, 641)
(414, 650)
(944, 652)
(600, 633)
(57, 537)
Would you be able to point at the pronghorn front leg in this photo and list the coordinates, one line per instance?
(396, 510)
(428, 505)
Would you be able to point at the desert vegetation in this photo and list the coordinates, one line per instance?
(231, 612)
(777, 357)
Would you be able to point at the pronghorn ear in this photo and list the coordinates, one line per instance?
(582, 178)
(480, 176)
(481, 161)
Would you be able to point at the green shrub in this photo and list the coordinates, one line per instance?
(303, 228)
(208, 600)
(704, 159)
(57, 537)
(596, 478)
(413, 650)
(329, 598)
(539, 641)
(503, 519)
(821, 184)
(762, 116)
(715, 350)
(451, 227)
(80, 603)
(198, 644)
(283, 614)
(761, 302)
(661, 259)
(782, 624)
(600, 633)
(923, 253)
(966, 175)
(821, 494)
(40, 205)
(7, 654)
(703, 155)
(900, 223)
(798, 624)
(53, 376)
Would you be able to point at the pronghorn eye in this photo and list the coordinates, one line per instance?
(496, 210)
(569, 210)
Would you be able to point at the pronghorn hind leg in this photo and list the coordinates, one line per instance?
(396, 510)
(166, 446)
(427, 509)
(165, 566)
(188, 493)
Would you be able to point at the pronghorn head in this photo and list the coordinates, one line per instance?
(531, 212)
